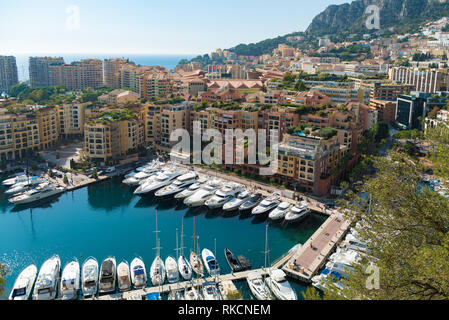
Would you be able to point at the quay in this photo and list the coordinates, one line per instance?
(166, 288)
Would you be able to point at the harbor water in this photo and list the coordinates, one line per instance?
(108, 219)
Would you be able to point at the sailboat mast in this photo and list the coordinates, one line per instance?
(177, 246)
(194, 234)
(182, 237)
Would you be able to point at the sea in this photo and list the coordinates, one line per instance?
(168, 61)
(107, 219)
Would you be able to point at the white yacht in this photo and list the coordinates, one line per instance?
(108, 272)
(171, 268)
(184, 267)
(210, 291)
(157, 272)
(70, 281)
(326, 279)
(137, 178)
(16, 179)
(43, 191)
(161, 180)
(237, 201)
(138, 273)
(192, 189)
(123, 276)
(278, 284)
(46, 286)
(205, 193)
(267, 205)
(190, 293)
(223, 195)
(281, 211)
(152, 166)
(298, 212)
(211, 264)
(24, 186)
(257, 286)
(24, 283)
(89, 279)
(181, 183)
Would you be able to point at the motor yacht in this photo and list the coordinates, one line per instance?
(211, 264)
(180, 184)
(190, 293)
(23, 284)
(123, 276)
(210, 291)
(157, 272)
(138, 273)
(108, 275)
(326, 279)
(202, 195)
(257, 286)
(298, 212)
(46, 286)
(171, 267)
(251, 203)
(341, 267)
(266, 205)
(161, 180)
(89, 281)
(137, 178)
(151, 167)
(24, 186)
(280, 211)
(184, 268)
(70, 281)
(233, 262)
(16, 179)
(237, 201)
(192, 189)
(43, 191)
(223, 195)
(278, 284)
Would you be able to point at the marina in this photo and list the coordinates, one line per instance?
(298, 232)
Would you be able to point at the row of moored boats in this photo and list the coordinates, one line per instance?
(164, 180)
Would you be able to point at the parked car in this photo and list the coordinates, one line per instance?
(110, 169)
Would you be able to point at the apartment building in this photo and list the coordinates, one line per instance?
(119, 96)
(386, 91)
(78, 75)
(278, 118)
(71, 118)
(156, 83)
(47, 126)
(424, 80)
(365, 114)
(174, 117)
(39, 70)
(8, 73)
(112, 69)
(339, 95)
(386, 110)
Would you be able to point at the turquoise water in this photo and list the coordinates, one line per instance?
(107, 219)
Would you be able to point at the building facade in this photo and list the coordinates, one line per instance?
(8, 73)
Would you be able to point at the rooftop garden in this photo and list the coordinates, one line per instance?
(113, 116)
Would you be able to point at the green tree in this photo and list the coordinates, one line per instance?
(3, 273)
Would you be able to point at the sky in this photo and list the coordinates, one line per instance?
(147, 26)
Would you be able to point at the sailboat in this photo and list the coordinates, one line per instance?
(171, 266)
(195, 261)
(157, 271)
(184, 266)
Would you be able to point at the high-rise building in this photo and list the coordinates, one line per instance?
(39, 68)
(112, 69)
(78, 75)
(8, 73)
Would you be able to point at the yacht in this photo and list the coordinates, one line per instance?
(151, 167)
(343, 268)
(138, 273)
(89, 279)
(179, 185)
(278, 284)
(24, 283)
(267, 205)
(184, 267)
(70, 280)
(196, 263)
(327, 278)
(223, 195)
(190, 293)
(137, 178)
(43, 191)
(251, 203)
(46, 286)
(16, 179)
(237, 201)
(233, 262)
(123, 276)
(24, 186)
(281, 211)
(172, 270)
(257, 286)
(108, 275)
(298, 212)
(157, 272)
(210, 291)
(192, 189)
(202, 195)
(211, 264)
(161, 180)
